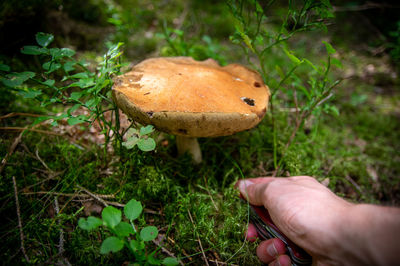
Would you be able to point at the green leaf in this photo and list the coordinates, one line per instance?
(152, 260)
(137, 245)
(310, 64)
(146, 144)
(91, 103)
(66, 52)
(76, 95)
(124, 229)
(83, 83)
(133, 209)
(80, 75)
(280, 72)
(115, 21)
(16, 79)
(329, 48)
(333, 110)
(170, 261)
(75, 120)
(259, 8)
(148, 233)
(292, 57)
(90, 223)
(131, 142)
(30, 94)
(25, 75)
(146, 130)
(44, 39)
(62, 116)
(111, 216)
(33, 50)
(51, 66)
(111, 244)
(305, 91)
(69, 66)
(336, 62)
(246, 39)
(73, 108)
(49, 82)
(4, 67)
(131, 132)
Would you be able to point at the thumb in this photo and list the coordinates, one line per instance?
(253, 190)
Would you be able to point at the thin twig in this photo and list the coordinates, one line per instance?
(61, 240)
(354, 183)
(187, 256)
(11, 151)
(198, 239)
(166, 251)
(296, 106)
(212, 200)
(324, 99)
(21, 233)
(19, 114)
(51, 176)
(63, 260)
(31, 129)
(69, 194)
(223, 263)
(40, 159)
(303, 116)
(93, 195)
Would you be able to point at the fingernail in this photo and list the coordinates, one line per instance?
(271, 250)
(243, 185)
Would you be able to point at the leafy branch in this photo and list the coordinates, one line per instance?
(254, 35)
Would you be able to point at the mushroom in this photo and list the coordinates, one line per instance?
(191, 99)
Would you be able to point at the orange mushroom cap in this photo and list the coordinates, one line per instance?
(182, 96)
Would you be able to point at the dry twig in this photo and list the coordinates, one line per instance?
(166, 251)
(69, 194)
(11, 151)
(21, 233)
(18, 114)
(40, 159)
(93, 195)
(222, 263)
(31, 129)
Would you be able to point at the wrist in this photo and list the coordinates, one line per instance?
(370, 234)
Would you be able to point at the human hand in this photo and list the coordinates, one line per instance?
(305, 211)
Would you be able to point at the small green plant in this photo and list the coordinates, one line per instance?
(255, 35)
(125, 234)
(140, 138)
(67, 81)
(199, 49)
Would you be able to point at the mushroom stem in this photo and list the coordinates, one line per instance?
(190, 145)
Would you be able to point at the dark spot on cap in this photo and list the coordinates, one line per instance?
(147, 93)
(249, 101)
(257, 84)
(182, 131)
(179, 73)
(262, 113)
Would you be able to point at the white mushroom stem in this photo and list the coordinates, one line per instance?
(189, 145)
